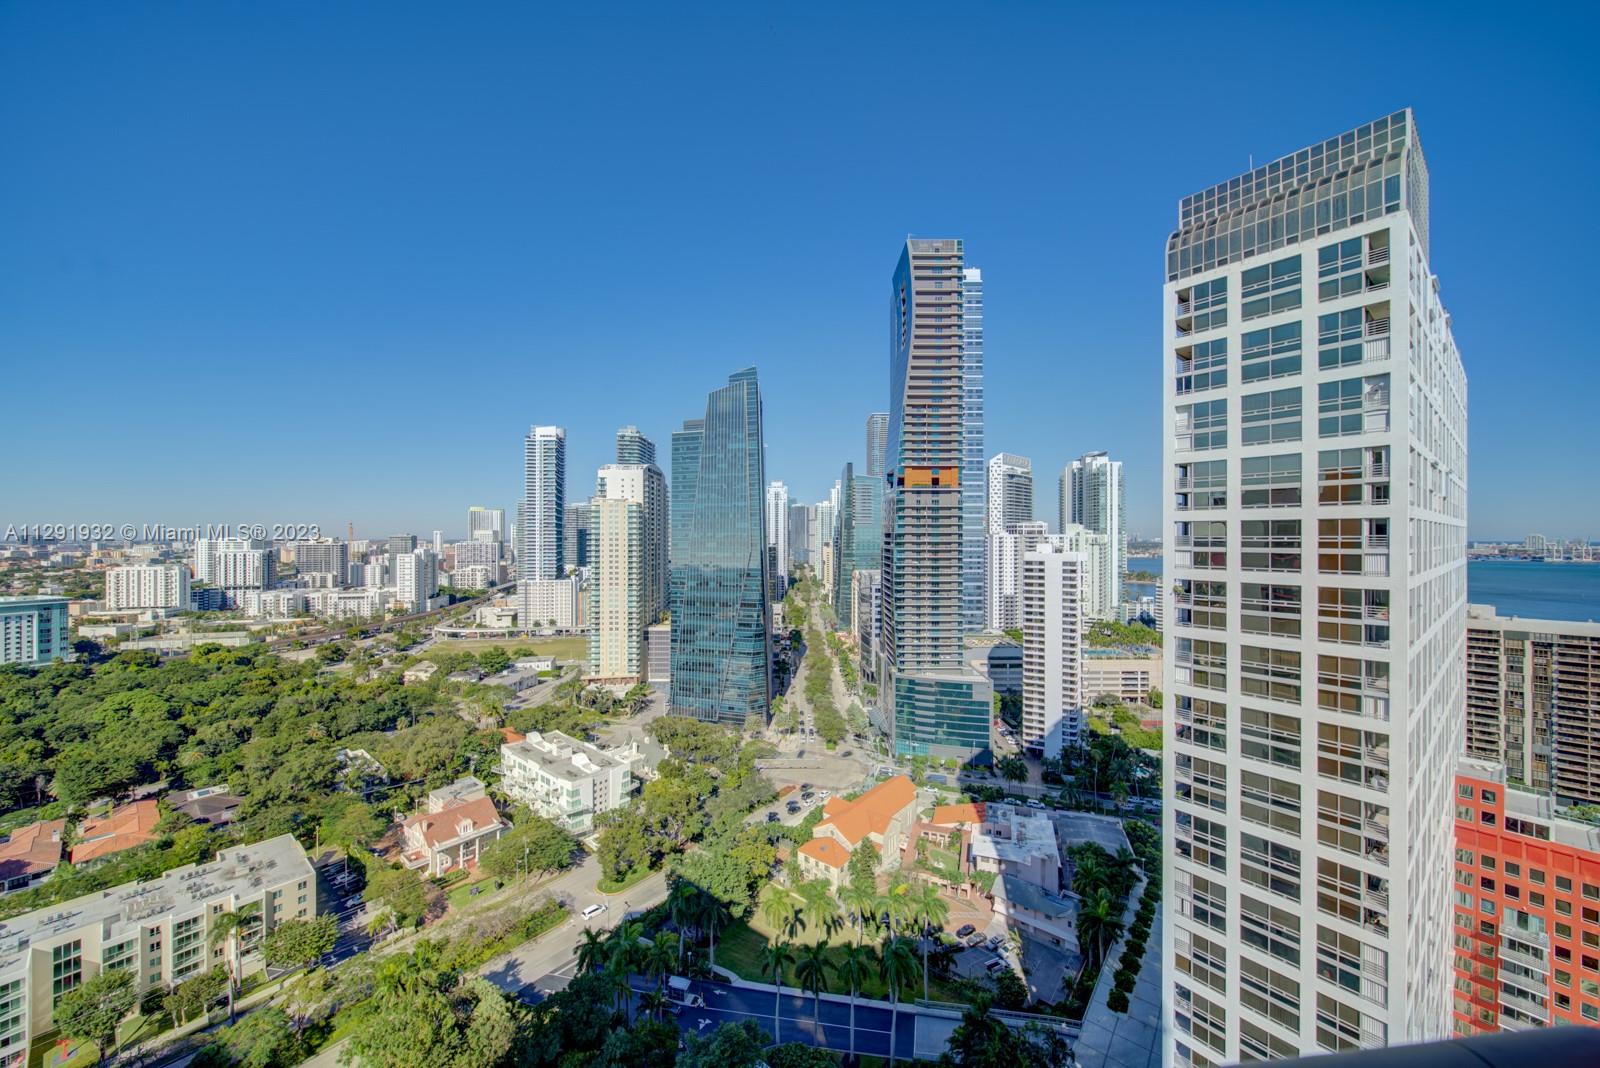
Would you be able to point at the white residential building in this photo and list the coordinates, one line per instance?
(565, 780)
(618, 589)
(416, 579)
(349, 604)
(1052, 622)
(476, 576)
(549, 603)
(1099, 569)
(540, 516)
(323, 558)
(1092, 496)
(486, 524)
(777, 523)
(1010, 492)
(1006, 550)
(1315, 412)
(148, 586)
(271, 604)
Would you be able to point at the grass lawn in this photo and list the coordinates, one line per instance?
(568, 648)
(741, 948)
(635, 877)
(459, 896)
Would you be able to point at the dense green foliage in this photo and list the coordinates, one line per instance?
(266, 728)
(1106, 634)
(93, 1009)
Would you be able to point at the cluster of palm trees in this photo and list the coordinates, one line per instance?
(1102, 881)
(906, 916)
(624, 952)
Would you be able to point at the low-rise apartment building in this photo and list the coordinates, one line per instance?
(1117, 673)
(158, 930)
(33, 630)
(565, 780)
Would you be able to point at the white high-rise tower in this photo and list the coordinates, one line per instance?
(1091, 495)
(777, 523)
(1314, 511)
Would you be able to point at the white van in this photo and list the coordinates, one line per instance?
(592, 911)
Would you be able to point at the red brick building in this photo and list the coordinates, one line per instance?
(1527, 908)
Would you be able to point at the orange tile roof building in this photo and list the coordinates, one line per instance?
(122, 828)
(29, 854)
(882, 816)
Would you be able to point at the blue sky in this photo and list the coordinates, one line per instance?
(328, 262)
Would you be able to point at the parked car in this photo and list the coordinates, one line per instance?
(772, 817)
(593, 910)
(1034, 802)
(965, 930)
(793, 806)
(996, 965)
(995, 942)
(974, 940)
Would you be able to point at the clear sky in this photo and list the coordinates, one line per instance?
(327, 262)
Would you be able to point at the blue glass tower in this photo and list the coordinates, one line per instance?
(721, 622)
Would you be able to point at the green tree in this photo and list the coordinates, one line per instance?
(863, 865)
(897, 964)
(779, 956)
(494, 660)
(264, 1038)
(332, 652)
(232, 928)
(400, 891)
(92, 1010)
(422, 1015)
(800, 1055)
(1010, 992)
(854, 962)
(812, 971)
(1099, 923)
(930, 911)
(194, 996)
(352, 825)
(534, 844)
(297, 943)
(732, 1045)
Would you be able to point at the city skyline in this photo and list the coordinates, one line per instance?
(122, 269)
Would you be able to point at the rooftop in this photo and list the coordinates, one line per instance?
(952, 815)
(827, 851)
(243, 872)
(123, 827)
(461, 819)
(1034, 898)
(871, 812)
(560, 755)
(31, 850)
(1011, 834)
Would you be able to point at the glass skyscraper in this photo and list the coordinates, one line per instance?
(721, 625)
(932, 703)
(860, 545)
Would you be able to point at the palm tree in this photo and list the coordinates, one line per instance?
(897, 964)
(622, 959)
(901, 910)
(1089, 873)
(654, 1002)
(852, 968)
(230, 927)
(859, 901)
(776, 907)
(1099, 923)
(779, 957)
(710, 916)
(818, 909)
(812, 971)
(682, 907)
(658, 958)
(592, 951)
(931, 911)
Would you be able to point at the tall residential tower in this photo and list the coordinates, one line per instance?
(931, 703)
(1314, 513)
(1091, 496)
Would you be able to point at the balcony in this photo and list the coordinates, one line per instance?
(1378, 469)
(1375, 349)
(1377, 327)
(1377, 255)
(1376, 830)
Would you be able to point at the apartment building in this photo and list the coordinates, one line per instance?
(1533, 702)
(1092, 497)
(33, 630)
(1314, 510)
(1113, 673)
(157, 929)
(1016, 842)
(565, 780)
(934, 506)
(1526, 911)
(1052, 649)
(145, 587)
